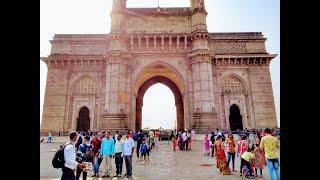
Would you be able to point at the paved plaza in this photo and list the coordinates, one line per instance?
(164, 164)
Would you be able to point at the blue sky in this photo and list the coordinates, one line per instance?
(92, 17)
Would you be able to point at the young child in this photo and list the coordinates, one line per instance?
(143, 151)
(258, 160)
(247, 159)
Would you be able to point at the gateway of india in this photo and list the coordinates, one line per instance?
(219, 80)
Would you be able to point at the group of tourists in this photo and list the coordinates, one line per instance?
(99, 148)
(253, 153)
(99, 152)
(254, 149)
(182, 139)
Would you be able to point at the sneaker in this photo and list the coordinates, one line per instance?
(93, 175)
(116, 175)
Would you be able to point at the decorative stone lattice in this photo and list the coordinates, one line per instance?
(85, 86)
(233, 85)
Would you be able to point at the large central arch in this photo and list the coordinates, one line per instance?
(159, 72)
(177, 96)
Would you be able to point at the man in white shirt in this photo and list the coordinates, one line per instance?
(70, 164)
(118, 150)
(128, 149)
(185, 140)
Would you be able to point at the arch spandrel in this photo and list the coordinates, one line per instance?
(159, 69)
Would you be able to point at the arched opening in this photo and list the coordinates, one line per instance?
(83, 121)
(235, 118)
(177, 97)
(159, 108)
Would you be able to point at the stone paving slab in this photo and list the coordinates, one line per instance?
(164, 164)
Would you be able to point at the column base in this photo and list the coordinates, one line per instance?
(204, 122)
(115, 122)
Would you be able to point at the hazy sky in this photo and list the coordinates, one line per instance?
(92, 17)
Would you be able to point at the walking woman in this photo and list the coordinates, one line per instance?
(173, 139)
(189, 135)
(206, 145)
(222, 166)
(231, 151)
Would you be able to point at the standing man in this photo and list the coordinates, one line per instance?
(151, 137)
(70, 164)
(107, 151)
(49, 138)
(185, 141)
(96, 143)
(128, 150)
(115, 137)
(156, 137)
(118, 150)
(140, 137)
(270, 145)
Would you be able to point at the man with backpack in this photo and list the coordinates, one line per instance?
(69, 158)
(84, 154)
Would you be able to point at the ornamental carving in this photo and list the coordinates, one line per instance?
(232, 85)
(85, 86)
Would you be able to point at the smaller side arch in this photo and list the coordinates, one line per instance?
(83, 119)
(235, 118)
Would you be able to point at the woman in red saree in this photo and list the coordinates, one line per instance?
(222, 165)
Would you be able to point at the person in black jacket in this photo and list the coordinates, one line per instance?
(212, 139)
(78, 142)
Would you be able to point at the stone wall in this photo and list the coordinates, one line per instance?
(53, 116)
(262, 97)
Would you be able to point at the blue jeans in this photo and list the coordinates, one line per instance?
(95, 167)
(231, 155)
(49, 139)
(273, 168)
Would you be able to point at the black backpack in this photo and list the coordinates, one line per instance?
(58, 158)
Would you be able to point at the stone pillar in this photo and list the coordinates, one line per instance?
(117, 91)
(202, 77)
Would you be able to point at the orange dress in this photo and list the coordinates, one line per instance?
(221, 159)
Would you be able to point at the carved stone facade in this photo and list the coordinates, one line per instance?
(207, 72)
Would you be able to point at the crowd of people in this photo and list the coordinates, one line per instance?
(253, 148)
(98, 148)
